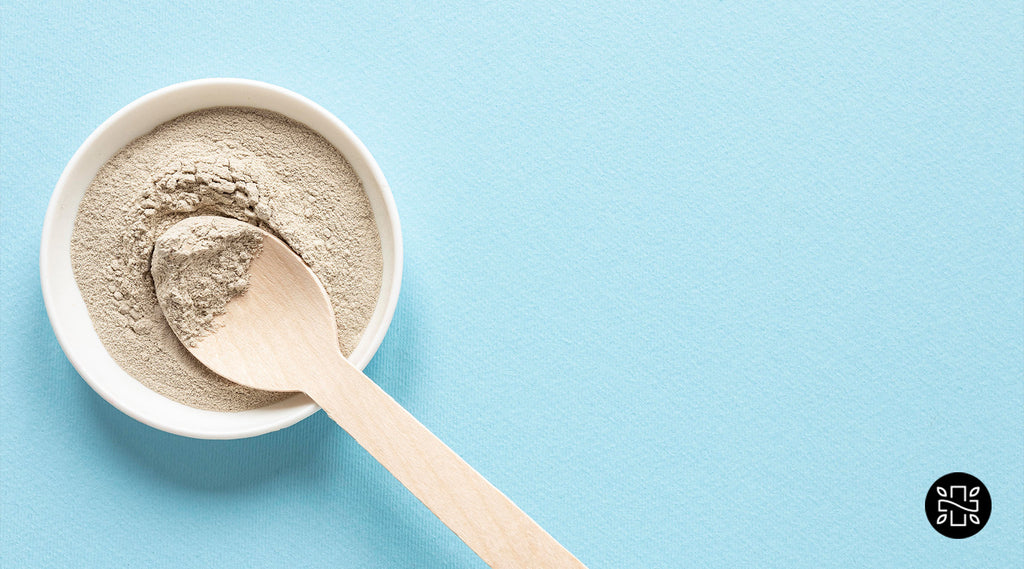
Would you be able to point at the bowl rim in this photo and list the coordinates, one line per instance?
(281, 414)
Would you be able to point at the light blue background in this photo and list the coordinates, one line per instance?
(719, 286)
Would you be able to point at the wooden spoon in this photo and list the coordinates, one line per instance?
(280, 335)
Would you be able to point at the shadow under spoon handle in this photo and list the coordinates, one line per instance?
(484, 518)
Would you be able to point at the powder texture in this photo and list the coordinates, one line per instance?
(247, 164)
(198, 265)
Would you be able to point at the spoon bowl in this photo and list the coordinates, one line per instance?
(284, 320)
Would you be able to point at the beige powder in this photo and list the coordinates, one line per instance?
(243, 163)
(198, 266)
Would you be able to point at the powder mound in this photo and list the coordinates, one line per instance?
(241, 163)
(198, 266)
(214, 185)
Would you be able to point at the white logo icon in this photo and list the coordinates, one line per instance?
(955, 506)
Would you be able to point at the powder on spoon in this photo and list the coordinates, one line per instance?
(198, 265)
(243, 163)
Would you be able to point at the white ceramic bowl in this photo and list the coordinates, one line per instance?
(67, 311)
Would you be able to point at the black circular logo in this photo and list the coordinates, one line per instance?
(958, 505)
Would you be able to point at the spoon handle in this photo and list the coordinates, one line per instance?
(484, 518)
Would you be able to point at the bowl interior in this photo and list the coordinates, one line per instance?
(66, 308)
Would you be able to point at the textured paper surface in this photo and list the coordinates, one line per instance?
(709, 287)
